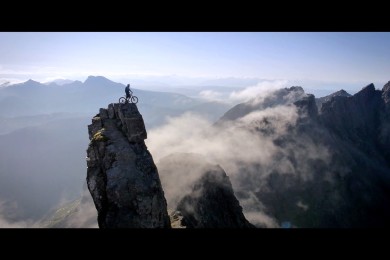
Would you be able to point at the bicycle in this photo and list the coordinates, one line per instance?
(132, 99)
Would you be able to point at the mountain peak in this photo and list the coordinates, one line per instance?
(30, 81)
(30, 84)
(338, 94)
(296, 88)
(212, 203)
(369, 88)
(97, 80)
(201, 198)
(342, 92)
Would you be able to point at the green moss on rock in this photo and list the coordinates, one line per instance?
(99, 136)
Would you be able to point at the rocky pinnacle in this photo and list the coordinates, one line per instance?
(122, 177)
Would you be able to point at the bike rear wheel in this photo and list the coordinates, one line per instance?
(134, 99)
(122, 100)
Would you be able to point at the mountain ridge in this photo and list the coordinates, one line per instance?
(354, 133)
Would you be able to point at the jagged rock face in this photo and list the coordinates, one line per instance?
(212, 203)
(122, 177)
(384, 134)
(200, 193)
(340, 93)
(386, 94)
(356, 118)
(359, 108)
(361, 124)
(338, 164)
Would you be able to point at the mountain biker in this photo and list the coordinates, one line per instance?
(127, 90)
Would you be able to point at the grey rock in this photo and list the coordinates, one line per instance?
(111, 111)
(122, 177)
(103, 113)
(340, 93)
(200, 193)
(355, 118)
(212, 203)
(386, 93)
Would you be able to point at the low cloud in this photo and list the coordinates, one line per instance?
(66, 214)
(234, 148)
(9, 81)
(211, 95)
(260, 90)
(85, 216)
(8, 218)
(229, 146)
(254, 212)
(249, 149)
(80, 213)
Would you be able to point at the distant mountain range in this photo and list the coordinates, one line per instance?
(97, 91)
(59, 82)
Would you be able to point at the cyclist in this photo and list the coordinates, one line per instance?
(127, 90)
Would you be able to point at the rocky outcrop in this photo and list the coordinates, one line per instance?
(384, 134)
(122, 177)
(321, 100)
(386, 94)
(200, 193)
(212, 204)
(355, 119)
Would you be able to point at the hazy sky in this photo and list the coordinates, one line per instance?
(332, 57)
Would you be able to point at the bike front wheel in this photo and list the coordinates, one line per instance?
(134, 99)
(122, 100)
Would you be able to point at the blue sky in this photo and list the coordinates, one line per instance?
(342, 57)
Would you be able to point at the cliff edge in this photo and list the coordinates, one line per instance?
(122, 177)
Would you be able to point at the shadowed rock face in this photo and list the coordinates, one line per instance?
(384, 134)
(346, 187)
(201, 193)
(212, 203)
(122, 177)
(322, 100)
